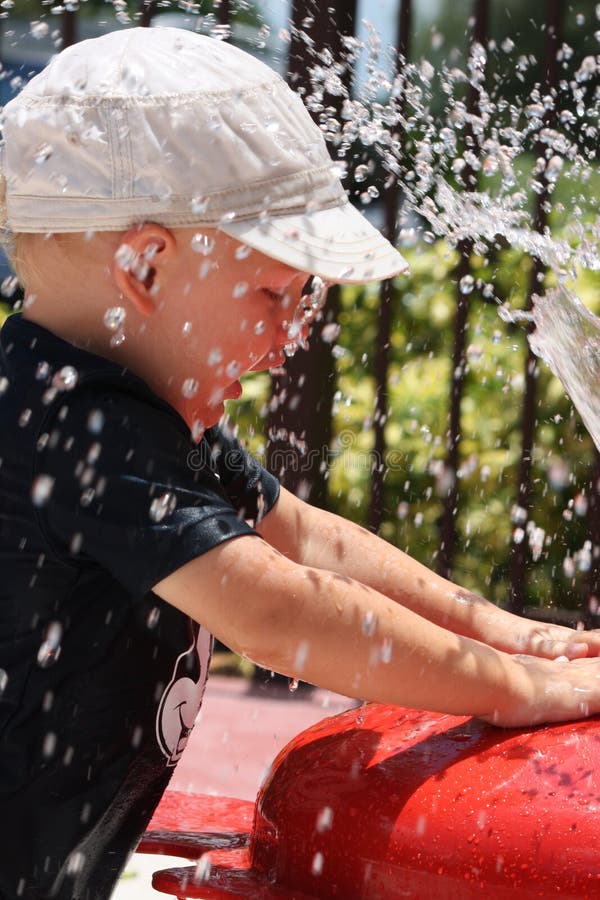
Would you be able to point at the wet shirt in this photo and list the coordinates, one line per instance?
(102, 495)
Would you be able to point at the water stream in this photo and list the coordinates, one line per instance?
(567, 338)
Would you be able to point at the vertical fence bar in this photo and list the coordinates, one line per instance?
(147, 9)
(384, 325)
(518, 551)
(224, 12)
(299, 424)
(68, 27)
(448, 533)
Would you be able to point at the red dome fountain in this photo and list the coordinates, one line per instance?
(381, 803)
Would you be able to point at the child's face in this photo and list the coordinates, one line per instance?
(236, 311)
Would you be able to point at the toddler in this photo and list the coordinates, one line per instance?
(174, 217)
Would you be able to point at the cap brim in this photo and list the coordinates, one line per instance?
(337, 243)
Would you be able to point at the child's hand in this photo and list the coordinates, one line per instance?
(514, 634)
(553, 691)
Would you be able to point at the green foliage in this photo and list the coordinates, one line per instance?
(419, 385)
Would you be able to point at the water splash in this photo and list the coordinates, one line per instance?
(567, 338)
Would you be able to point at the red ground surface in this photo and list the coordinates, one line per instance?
(242, 727)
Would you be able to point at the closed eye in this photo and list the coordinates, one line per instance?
(273, 295)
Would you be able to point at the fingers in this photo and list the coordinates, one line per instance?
(552, 649)
(574, 650)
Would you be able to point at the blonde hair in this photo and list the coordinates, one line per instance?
(27, 252)
(7, 238)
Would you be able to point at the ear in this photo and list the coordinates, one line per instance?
(140, 257)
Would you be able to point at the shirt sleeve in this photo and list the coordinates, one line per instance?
(252, 490)
(126, 489)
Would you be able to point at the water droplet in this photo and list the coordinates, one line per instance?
(49, 745)
(202, 870)
(24, 418)
(87, 497)
(361, 173)
(330, 332)
(317, 863)
(125, 257)
(198, 429)
(243, 251)
(42, 153)
(50, 648)
(189, 388)
(76, 863)
(65, 379)
(490, 165)
(187, 329)
(215, 356)
(3, 680)
(293, 685)
(203, 244)
(9, 286)
(233, 369)
(584, 558)
(114, 318)
(163, 506)
(260, 327)
(93, 453)
(153, 617)
(49, 396)
(325, 819)
(386, 650)
(199, 204)
(474, 353)
(43, 371)
(41, 489)
(240, 289)
(466, 284)
(369, 623)
(95, 421)
(117, 339)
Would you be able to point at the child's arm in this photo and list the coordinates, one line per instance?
(313, 537)
(332, 631)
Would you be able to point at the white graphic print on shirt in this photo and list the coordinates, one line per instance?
(182, 697)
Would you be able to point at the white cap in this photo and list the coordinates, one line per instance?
(173, 127)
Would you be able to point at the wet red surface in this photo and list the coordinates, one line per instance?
(384, 803)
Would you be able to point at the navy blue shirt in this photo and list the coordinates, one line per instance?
(102, 495)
